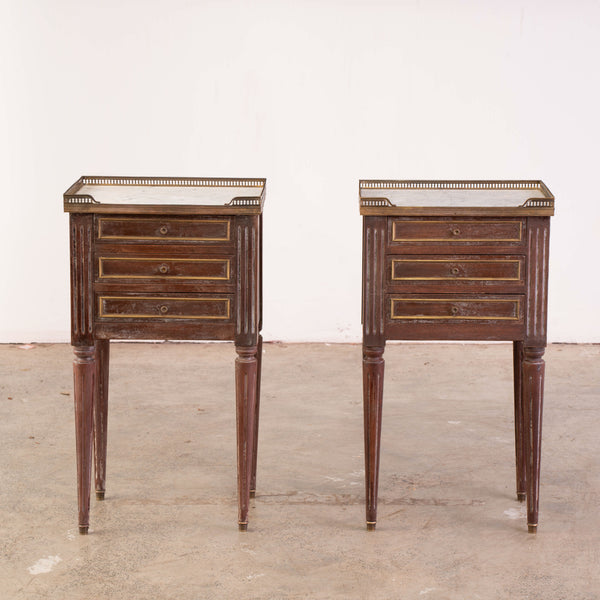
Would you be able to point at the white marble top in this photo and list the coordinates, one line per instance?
(167, 194)
(453, 197)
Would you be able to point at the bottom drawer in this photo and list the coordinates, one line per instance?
(454, 317)
(455, 308)
(165, 308)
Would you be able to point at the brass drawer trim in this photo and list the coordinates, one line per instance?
(515, 301)
(101, 274)
(456, 278)
(227, 238)
(102, 314)
(457, 240)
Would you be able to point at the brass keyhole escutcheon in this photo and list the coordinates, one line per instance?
(454, 270)
(456, 231)
(164, 229)
(164, 309)
(163, 268)
(454, 310)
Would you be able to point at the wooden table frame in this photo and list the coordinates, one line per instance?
(450, 305)
(105, 306)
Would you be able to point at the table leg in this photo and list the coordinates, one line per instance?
(373, 370)
(101, 415)
(246, 366)
(84, 374)
(256, 415)
(519, 421)
(533, 394)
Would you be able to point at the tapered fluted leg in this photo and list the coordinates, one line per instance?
(256, 416)
(245, 385)
(101, 415)
(84, 375)
(373, 367)
(533, 393)
(520, 453)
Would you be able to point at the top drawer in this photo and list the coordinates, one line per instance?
(168, 229)
(454, 232)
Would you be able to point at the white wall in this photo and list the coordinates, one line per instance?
(313, 95)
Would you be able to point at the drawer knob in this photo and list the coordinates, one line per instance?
(164, 309)
(456, 231)
(164, 229)
(454, 271)
(163, 268)
(454, 310)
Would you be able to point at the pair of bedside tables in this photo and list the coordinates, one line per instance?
(181, 258)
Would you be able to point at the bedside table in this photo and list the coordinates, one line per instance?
(163, 258)
(457, 260)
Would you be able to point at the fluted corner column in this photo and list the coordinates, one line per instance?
(373, 371)
(84, 375)
(533, 394)
(246, 367)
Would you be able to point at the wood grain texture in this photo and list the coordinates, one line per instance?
(101, 415)
(520, 421)
(82, 277)
(533, 396)
(471, 273)
(458, 273)
(247, 256)
(373, 371)
(448, 235)
(374, 239)
(170, 330)
(256, 417)
(537, 281)
(84, 376)
(170, 272)
(164, 229)
(246, 369)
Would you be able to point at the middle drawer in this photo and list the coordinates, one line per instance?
(446, 273)
(166, 267)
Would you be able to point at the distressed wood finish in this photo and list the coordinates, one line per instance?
(247, 233)
(533, 396)
(82, 279)
(163, 272)
(84, 376)
(246, 367)
(373, 371)
(197, 231)
(256, 415)
(373, 280)
(464, 272)
(101, 415)
(520, 421)
(457, 231)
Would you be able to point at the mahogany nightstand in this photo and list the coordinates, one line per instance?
(457, 260)
(163, 258)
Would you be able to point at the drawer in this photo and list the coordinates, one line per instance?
(165, 268)
(456, 232)
(165, 308)
(455, 308)
(451, 272)
(164, 228)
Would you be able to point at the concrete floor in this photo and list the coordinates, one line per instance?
(449, 525)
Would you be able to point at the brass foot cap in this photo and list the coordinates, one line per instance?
(83, 529)
(371, 526)
(521, 496)
(99, 495)
(252, 493)
(243, 526)
(531, 528)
